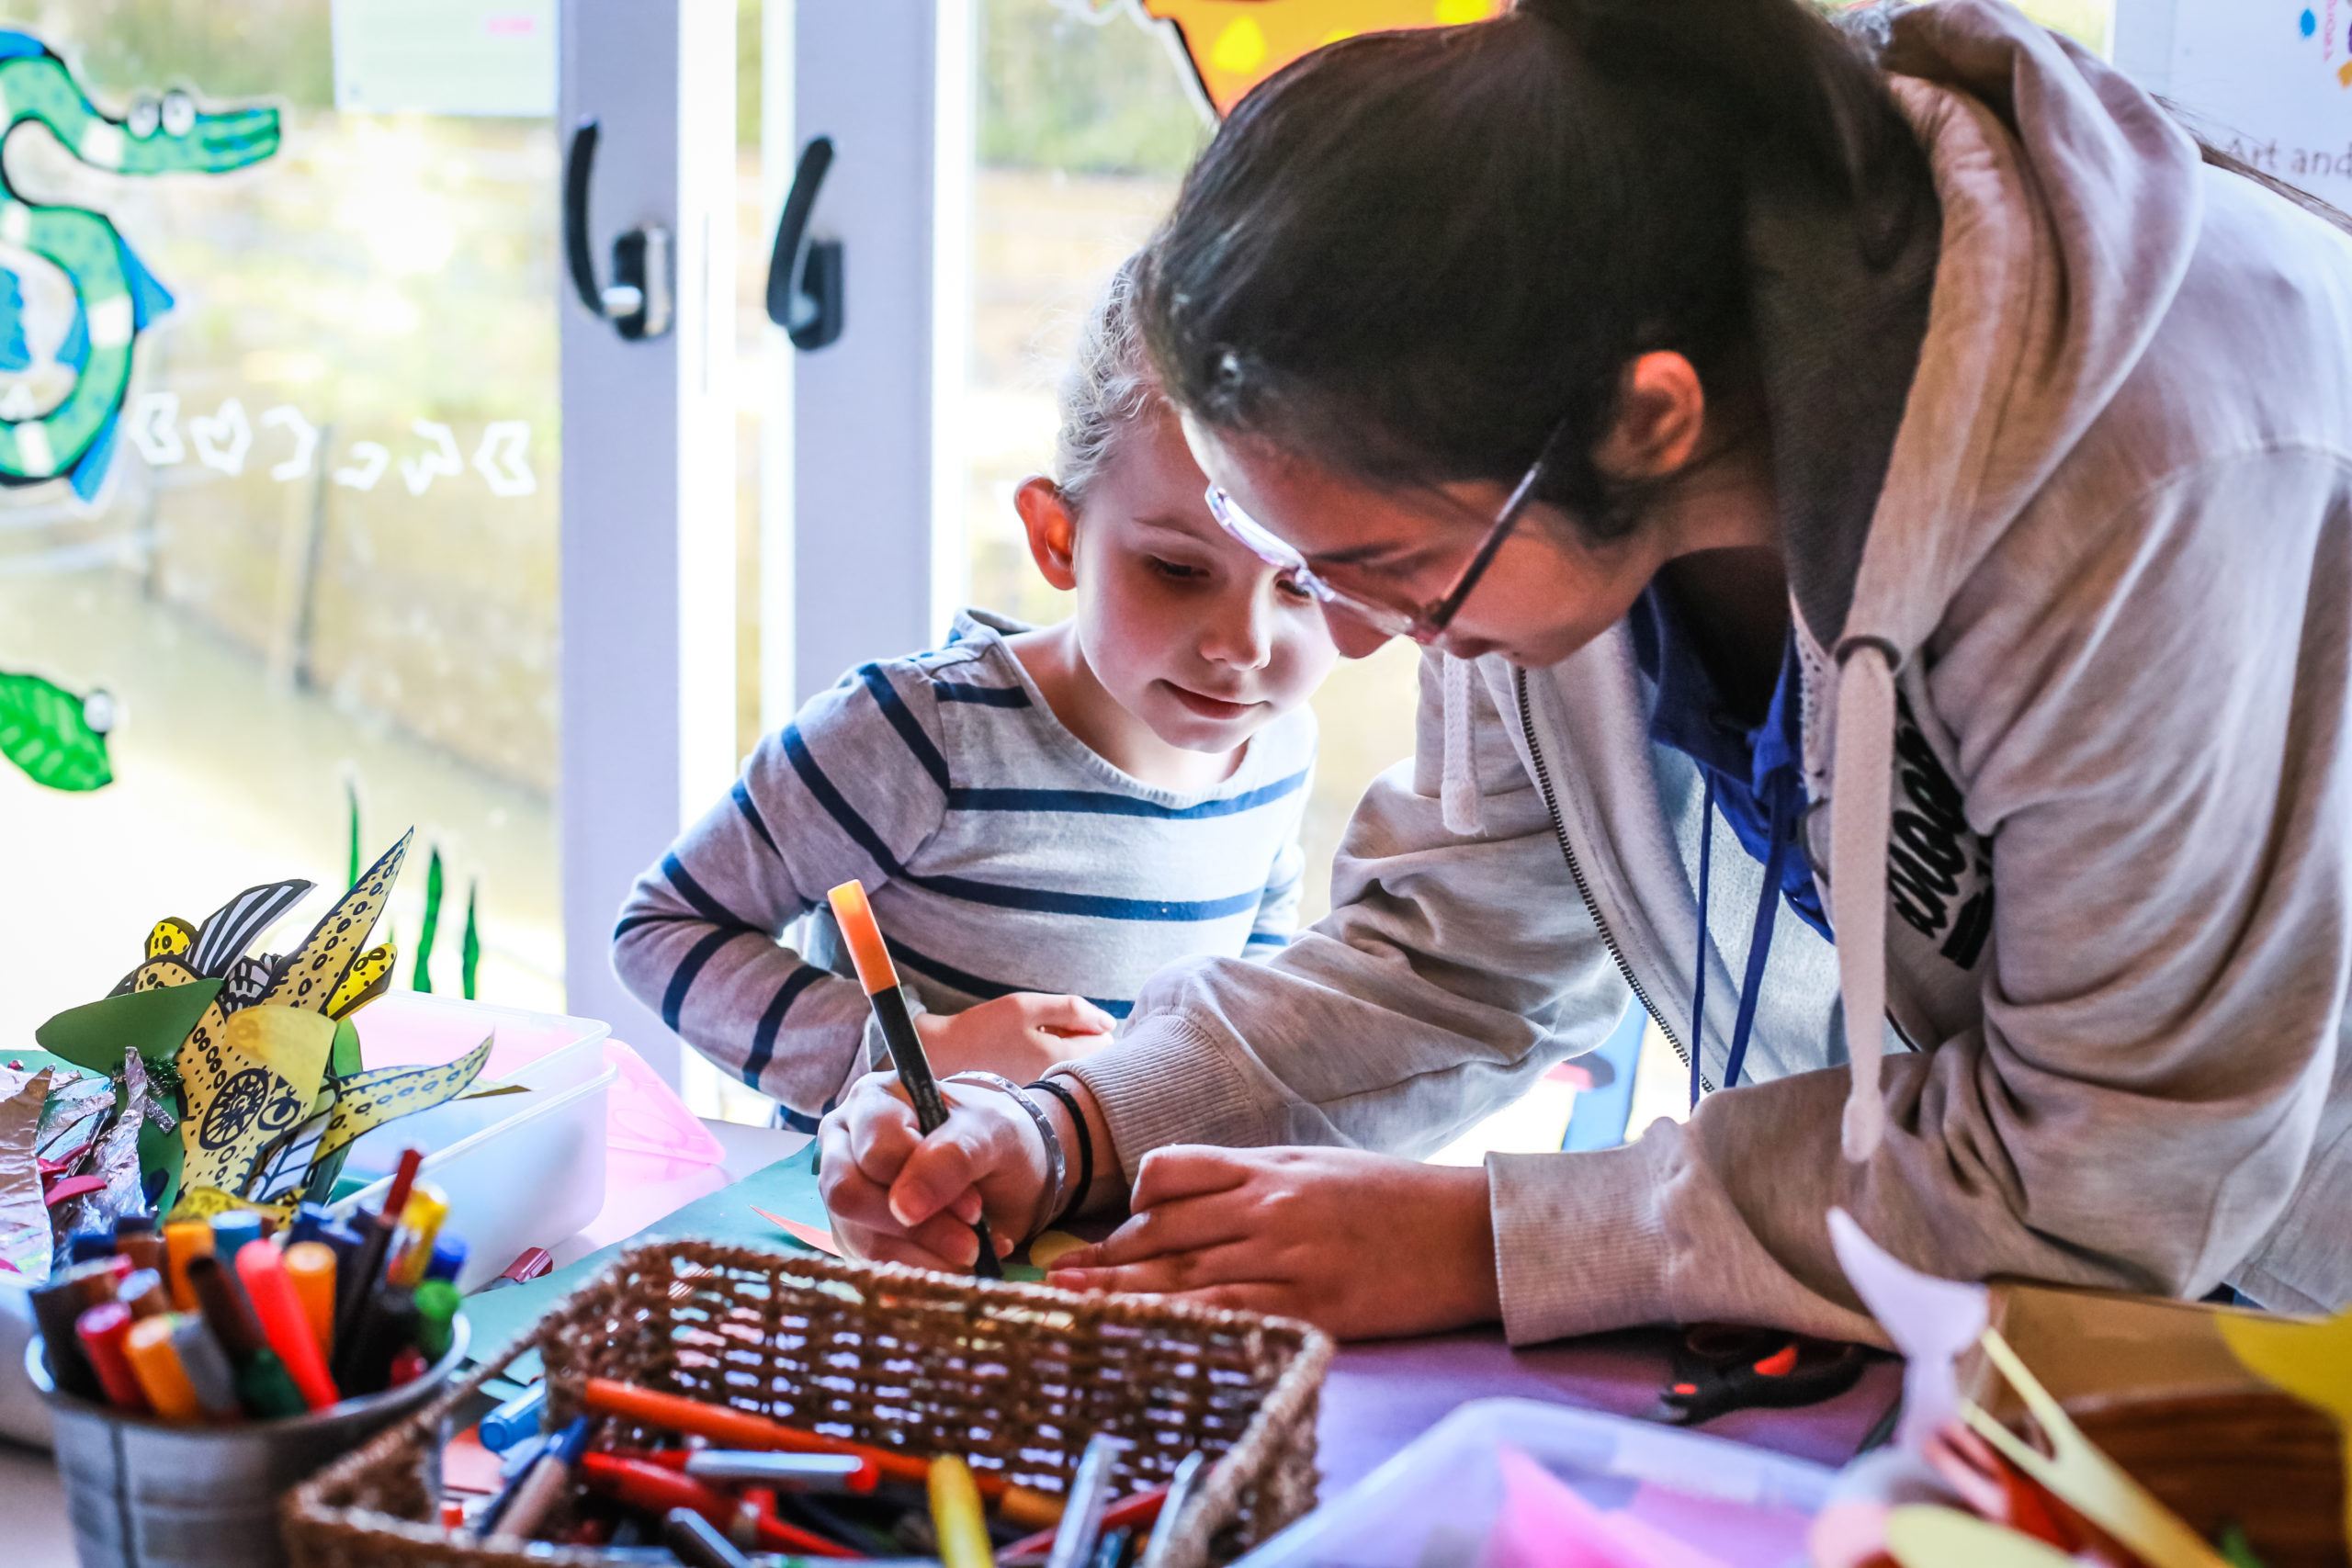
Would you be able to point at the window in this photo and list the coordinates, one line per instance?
(320, 563)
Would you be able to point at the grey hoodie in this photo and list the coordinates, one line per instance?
(2076, 737)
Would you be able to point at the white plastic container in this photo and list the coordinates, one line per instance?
(519, 1171)
(1433, 1504)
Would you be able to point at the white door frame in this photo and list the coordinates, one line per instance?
(648, 524)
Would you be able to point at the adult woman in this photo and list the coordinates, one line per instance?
(1940, 478)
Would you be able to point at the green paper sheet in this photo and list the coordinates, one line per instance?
(92, 1036)
(788, 1186)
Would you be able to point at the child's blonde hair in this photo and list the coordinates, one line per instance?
(1108, 385)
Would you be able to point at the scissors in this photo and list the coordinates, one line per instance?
(1720, 1367)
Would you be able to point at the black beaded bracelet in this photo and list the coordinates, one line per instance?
(1085, 1147)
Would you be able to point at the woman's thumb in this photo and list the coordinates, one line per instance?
(1076, 1015)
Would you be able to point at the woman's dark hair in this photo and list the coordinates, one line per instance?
(1417, 255)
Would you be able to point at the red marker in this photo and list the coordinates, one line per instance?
(102, 1330)
(283, 1322)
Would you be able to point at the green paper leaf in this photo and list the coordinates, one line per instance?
(470, 950)
(421, 975)
(158, 1023)
(44, 730)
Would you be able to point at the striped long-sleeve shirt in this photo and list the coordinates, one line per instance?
(1001, 854)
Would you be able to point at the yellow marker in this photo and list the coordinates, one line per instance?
(154, 1361)
(2311, 1360)
(956, 1516)
(420, 1222)
(311, 1266)
(184, 1239)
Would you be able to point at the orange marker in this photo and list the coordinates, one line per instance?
(157, 1364)
(880, 977)
(187, 1239)
(283, 1322)
(310, 1265)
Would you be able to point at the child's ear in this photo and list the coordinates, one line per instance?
(1053, 529)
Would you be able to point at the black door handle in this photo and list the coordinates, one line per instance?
(806, 280)
(638, 300)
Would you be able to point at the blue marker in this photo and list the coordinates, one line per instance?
(449, 1257)
(88, 1246)
(310, 1221)
(231, 1231)
(516, 1419)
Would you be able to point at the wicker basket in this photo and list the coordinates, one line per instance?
(1015, 1377)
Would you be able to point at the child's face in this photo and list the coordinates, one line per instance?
(1186, 630)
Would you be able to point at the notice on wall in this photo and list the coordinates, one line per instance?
(2271, 81)
(463, 57)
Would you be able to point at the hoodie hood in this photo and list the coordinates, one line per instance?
(2070, 209)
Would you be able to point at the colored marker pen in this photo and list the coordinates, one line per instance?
(420, 1224)
(311, 1266)
(284, 1324)
(157, 1364)
(358, 1284)
(182, 1241)
(880, 979)
(102, 1330)
(207, 1366)
(437, 1313)
(448, 1257)
(142, 1291)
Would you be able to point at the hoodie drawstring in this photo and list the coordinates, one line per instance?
(1784, 806)
(1459, 807)
(1862, 764)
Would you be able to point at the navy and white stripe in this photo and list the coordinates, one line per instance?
(1001, 855)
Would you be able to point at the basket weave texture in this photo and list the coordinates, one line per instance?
(1015, 1378)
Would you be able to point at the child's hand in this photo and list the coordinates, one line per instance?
(1020, 1035)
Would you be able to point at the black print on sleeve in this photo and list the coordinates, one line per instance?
(1938, 871)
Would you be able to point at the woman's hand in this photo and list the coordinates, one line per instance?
(1364, 1245)
(895, 1196)
(1020, 1035)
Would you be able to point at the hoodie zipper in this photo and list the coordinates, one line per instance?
(1576, 873)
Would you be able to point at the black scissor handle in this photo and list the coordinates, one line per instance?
(805, 277)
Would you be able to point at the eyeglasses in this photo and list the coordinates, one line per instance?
(1424, 624)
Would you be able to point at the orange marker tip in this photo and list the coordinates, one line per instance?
(866, 949)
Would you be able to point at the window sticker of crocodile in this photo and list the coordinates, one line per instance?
(115, 298)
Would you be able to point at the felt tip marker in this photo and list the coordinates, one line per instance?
(182, 1241)
(102, 1330)
(207, 1366)
(420, 1224)
(376, 1230)
(880, 977)
(311, 1266)
(284, 1324)
(156, 1363)
(956, 1517)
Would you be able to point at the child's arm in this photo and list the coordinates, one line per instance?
(1278, 909)
(698, 938)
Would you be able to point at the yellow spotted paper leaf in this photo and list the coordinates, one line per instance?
(311, 976)
(249, 1077)
(158, 973)
(203, 1203)
(171, 937)
(2311, 1360)
(371, 1100)
(371, 977)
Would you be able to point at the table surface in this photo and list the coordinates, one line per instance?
(1379, 1397)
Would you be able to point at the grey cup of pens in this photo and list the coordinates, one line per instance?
(146, 1494)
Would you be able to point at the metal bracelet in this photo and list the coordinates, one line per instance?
(1057, 1164)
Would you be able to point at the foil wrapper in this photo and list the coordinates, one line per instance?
(117, 1159)
(24, 1241)
(73, 1114)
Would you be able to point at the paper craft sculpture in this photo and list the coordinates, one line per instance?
(2311, 1360)
(1233, 45)
(210, 1077)
(115, 297)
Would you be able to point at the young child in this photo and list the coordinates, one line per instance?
(1032, 813)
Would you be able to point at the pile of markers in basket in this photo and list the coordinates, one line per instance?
(735, 1482)
(235, 1318)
